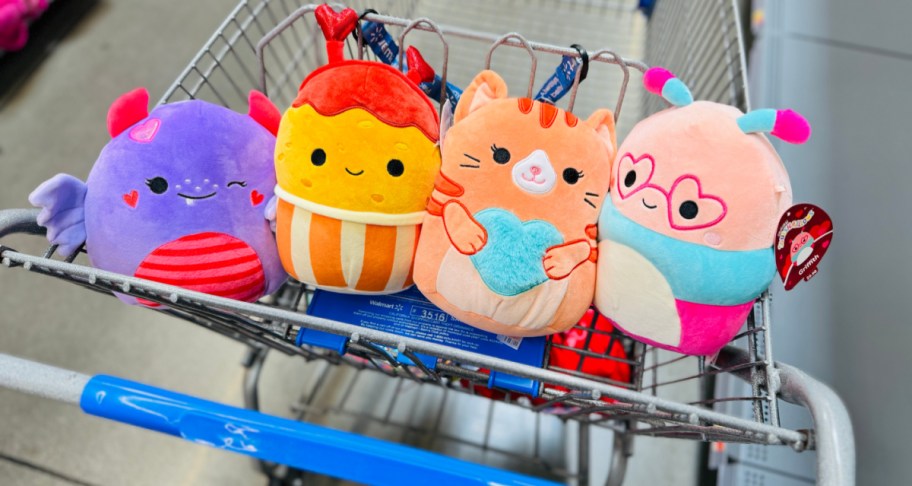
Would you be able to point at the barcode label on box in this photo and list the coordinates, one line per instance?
(513, 342)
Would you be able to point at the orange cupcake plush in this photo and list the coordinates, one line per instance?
(356, 157)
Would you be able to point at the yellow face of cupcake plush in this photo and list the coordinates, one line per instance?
(354, 161)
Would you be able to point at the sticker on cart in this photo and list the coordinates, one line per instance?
(409, 313)
(513, 342)
(805, 234)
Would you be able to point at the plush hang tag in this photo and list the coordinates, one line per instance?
(805, 233)
(446, 119)
(560, 82)
(380, 41)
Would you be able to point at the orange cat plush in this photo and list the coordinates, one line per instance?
(508, 244)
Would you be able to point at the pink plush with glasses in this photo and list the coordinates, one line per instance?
(686, 234)
(686, 187)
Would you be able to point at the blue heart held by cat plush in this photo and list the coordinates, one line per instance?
(511, 261)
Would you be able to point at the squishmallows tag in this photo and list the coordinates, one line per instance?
(686, 237)
(177, 196)
(509, 241)
(355, 159)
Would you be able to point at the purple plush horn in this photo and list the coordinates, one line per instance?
(127, 110)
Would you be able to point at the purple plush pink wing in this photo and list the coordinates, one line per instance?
(62, 202)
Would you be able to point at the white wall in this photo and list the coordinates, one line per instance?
(847, 66)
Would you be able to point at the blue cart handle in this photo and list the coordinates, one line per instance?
(297, 444)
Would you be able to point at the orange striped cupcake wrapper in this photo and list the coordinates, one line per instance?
(344, 255)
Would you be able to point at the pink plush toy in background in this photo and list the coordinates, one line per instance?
(686, 236)
(15, 16)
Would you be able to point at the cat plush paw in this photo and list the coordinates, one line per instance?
(559, 261)
(465, 233)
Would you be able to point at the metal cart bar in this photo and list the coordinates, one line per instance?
(174, 295)
(297, 444)
(833, 435)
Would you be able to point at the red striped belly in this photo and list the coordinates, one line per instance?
(213, 263)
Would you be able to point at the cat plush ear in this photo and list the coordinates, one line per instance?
(127, 110)
(602, 121)
(485, 88)
(263, 111)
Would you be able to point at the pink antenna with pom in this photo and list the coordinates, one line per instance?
(660, 81)
(786, 125)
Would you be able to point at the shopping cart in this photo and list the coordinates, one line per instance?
(271, 45)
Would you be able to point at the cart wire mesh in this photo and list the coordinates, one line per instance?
(272, 45)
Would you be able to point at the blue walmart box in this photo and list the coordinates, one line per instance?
(409, 314)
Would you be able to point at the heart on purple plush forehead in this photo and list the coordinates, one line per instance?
(145, 131)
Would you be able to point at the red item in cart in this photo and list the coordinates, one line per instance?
(614, 369)
(576, 338)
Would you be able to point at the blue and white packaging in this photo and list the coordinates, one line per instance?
(410, 314)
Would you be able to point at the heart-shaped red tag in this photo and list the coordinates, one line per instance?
(256, 197)
(804, 236)
(131, 198)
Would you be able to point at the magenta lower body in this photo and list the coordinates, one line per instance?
(705, 328)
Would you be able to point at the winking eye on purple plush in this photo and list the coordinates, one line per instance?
(177, 196)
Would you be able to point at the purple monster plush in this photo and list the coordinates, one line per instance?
(177, 196)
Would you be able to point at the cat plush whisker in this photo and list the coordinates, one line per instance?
(592, 194)
(473, 158)
(470, 166)
(590, 203)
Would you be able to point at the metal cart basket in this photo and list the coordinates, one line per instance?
(271, 45)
